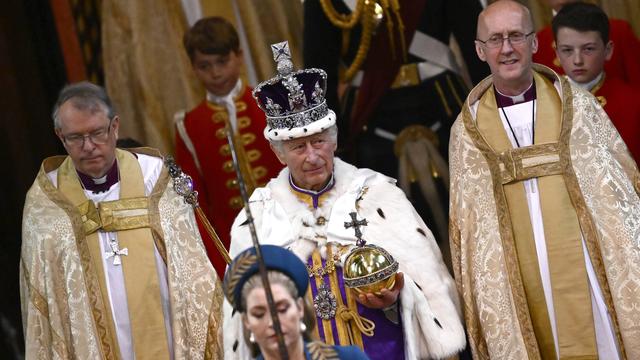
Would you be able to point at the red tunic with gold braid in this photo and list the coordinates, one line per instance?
(624, 60)
(212, 168)
(620, 101)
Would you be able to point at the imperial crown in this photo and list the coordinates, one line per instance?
(293, 101)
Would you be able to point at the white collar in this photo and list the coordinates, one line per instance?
(587, 86)
(516, 98)
(220, 100)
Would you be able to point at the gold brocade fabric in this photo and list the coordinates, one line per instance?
(123, 214)
(570, 288)
(267, 22)
(148, 330)
(64, 312)
(598, 172)
(148, 74)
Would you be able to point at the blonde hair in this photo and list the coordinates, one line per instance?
(276, 277)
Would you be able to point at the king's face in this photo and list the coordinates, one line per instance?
(309, 159)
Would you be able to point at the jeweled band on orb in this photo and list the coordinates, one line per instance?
(371, 278)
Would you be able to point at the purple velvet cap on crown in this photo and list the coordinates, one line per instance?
(293, 101)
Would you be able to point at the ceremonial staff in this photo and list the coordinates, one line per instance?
(256, 244)
(183, 185)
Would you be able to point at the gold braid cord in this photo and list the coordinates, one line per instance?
(343, 21)
(365, 325)
(365, 14)
(212, 233)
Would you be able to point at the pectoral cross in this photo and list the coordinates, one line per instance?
(116, 252)
(355, 224)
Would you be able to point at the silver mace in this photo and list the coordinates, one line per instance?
(183, 185)
(256, 244)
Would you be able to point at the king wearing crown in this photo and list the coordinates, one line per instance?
(393, 297)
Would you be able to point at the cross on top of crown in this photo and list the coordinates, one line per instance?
(282, 56)
(280, 51)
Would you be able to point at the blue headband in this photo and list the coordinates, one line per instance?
(245, 265)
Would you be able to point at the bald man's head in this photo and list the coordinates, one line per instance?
(506, 42)
(502, 8)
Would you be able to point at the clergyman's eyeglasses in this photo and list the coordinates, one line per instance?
(98, 137)
(497, 40)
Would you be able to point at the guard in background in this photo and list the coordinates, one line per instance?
(403, 86)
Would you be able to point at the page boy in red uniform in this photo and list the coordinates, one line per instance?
(202, 149)
(581, 33)
(624, 61)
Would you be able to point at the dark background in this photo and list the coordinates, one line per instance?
(31, 74)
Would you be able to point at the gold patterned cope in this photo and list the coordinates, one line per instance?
(64, 300)
(570, 288)
(582, 169)
(140, 275)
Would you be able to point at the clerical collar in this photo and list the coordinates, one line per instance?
(220, 100)
(589, 85)
(101, 184)
(507, 100)
(315, 195)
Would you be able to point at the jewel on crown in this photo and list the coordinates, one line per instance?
(294, 101)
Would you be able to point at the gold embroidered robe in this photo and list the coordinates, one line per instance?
(64, 316)
(602, 181)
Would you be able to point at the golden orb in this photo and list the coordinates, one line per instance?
(369, 269)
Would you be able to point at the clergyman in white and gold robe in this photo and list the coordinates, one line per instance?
(545, 236)
(115, 274)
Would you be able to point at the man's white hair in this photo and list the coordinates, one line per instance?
(278, 145)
